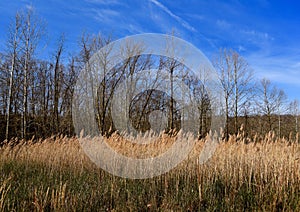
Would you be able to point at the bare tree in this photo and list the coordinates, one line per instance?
(90, 44)
(295, 111)
(224, 67)
(67, 93)
(57, 84)
(243, 90)
(236, 77)
(13, 46)
(269, 101)
(44, 94)
(174, 68)
(204, 103)
(31, 32)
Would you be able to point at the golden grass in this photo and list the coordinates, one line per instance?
(241, 175)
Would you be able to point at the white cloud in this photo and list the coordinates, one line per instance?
(279, 68)
(104, 1)
(134, 28)
(254, 34)
(30, 7)
(196, 16)
(297, 65)
(241, 48)
(106, 16)
(177, 18)
(223, 24)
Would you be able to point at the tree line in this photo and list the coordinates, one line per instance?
(36, 94)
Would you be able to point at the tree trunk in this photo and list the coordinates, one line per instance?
(14, 43)
(56, 121)
(9, 97)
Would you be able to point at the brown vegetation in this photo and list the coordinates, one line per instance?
(55, 174)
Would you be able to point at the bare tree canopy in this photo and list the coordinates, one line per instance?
(36, 94)
(236, 78)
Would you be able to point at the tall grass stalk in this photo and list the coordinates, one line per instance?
(55, 174)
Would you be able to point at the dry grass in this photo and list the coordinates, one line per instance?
(55, 174)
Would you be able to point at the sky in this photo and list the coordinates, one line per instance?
(266, 33)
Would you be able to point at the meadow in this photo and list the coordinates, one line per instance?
(262, 174)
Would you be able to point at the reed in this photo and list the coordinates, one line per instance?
(56, 175)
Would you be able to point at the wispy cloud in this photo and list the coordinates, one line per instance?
(255, 35)
(176, 17)
(278, 68)
(241, 48)
(104, 16)
(105, 2)
(223, 24)
(30, 7)
(196, 16)
(114, 20)
(297, 65)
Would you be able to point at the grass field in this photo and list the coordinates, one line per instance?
(55, 174)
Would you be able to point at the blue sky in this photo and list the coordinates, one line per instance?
(266, 33)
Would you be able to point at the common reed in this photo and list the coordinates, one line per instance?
(55, 175)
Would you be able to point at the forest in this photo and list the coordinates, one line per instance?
(36, 94)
